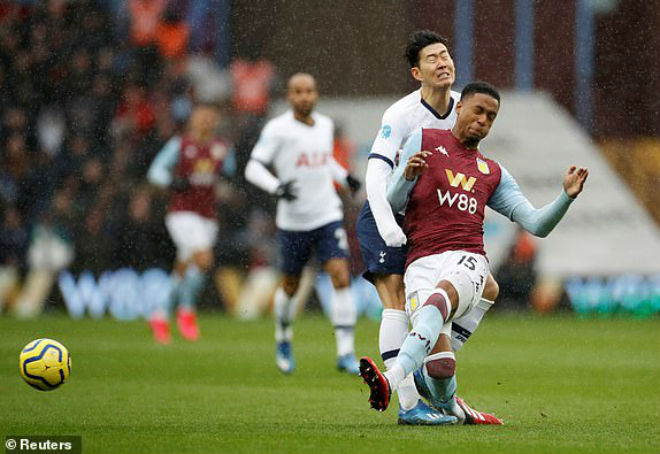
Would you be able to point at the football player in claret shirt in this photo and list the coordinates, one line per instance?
(298, 145)
(382, 241)
(445, 183)
(190, 166)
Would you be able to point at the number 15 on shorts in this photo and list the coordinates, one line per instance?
(470, 262)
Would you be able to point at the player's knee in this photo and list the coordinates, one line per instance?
(339, 273)
(391, 290)
(290, 284)
(203, 260)
(340, 279)
(440, 302)
(441, 368)
(341, 282)
(491, 289)
(180, 267)
(395, 303)
(444, 298)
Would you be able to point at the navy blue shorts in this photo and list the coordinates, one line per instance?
(377, 256)
(296, 247)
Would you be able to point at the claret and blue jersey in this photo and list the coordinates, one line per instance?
(445, 205)
(198, 163)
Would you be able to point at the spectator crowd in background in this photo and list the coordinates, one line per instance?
(90, 90)
(88, 97)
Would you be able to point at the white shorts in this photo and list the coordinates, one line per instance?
(466, 271)
(190, 233)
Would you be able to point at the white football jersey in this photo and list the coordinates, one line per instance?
(302, 153)
(403, 117)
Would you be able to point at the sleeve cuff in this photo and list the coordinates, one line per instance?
(565, 198)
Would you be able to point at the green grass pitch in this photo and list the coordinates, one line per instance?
(562, 385)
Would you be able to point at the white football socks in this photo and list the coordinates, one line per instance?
(344, 316)
(284, 309)
(392, 334)
(396, 376)
(463, 327)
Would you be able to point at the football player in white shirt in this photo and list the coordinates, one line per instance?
(381, 237)
(299, 144)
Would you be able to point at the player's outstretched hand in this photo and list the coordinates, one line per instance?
(416, 165)
(393, 236)
(574, 180)
(287, 191)
(353, 184)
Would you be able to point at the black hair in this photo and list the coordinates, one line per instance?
(418, 41)
(480, 87)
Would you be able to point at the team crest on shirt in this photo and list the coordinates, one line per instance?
(218, 151)
(190, 151)
(483, 166)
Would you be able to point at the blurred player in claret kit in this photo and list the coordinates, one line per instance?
(381, 237)
(445, 183)
(190, 166)
(298, 145)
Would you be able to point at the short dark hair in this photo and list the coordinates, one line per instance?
(480, 87)
(418, 41)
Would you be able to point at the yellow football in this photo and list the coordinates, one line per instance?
(45, 364)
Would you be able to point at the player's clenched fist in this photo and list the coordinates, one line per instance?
(417, 165)
(574, 180)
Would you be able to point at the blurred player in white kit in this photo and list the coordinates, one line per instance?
(298, 145)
